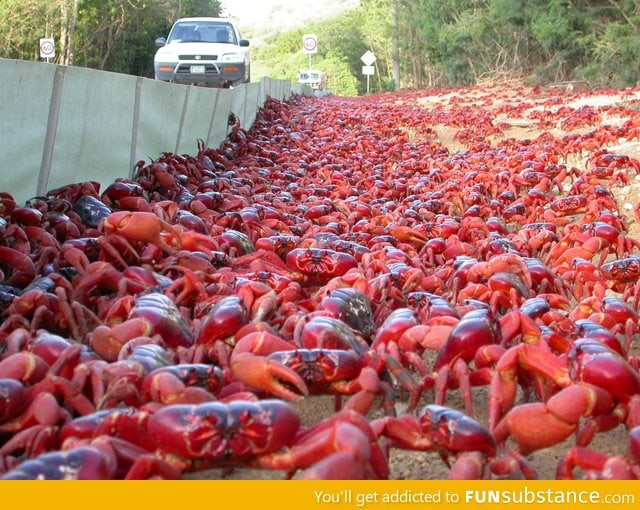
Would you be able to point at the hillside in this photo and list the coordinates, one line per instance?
(258, 19)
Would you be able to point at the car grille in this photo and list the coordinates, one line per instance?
(194, 57)
(209, 69)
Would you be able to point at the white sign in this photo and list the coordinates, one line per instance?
(368, 58)
(47, 48)
(368, 70)
(310, 43)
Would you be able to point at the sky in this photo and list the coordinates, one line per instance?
(260, 16)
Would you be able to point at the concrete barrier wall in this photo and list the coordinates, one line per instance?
(61, 125)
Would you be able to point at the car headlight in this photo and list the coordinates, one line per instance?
(232, 57)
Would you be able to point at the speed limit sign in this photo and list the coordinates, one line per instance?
(47, 48)
(310, 43)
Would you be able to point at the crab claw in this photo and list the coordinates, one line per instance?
(407, 234)
(268, 375)
(538, 425)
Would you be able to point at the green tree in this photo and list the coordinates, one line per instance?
(616, 61)
(440, 42)
(341, 42)
(119, 35)
(340, 78)
(115, 35)
(24, 22)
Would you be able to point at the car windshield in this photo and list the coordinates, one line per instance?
(202, 31)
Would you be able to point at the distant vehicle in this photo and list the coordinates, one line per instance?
(317, 80)
(203, 51)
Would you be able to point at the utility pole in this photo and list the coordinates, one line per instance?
(395, 45)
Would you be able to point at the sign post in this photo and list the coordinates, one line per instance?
(368, 58)
(310, 45)
(47, 48)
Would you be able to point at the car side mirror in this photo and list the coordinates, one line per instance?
(161, 41)
(243, 42)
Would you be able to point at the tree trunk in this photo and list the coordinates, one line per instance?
(72, 33)
(395, 45)
(64, 33)
(417, 72)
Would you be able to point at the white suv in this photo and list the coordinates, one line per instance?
(203, 51)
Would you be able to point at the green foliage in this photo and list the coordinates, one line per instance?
(119, 35)
(546, 40)
(340, 78)
(23, 23)
(116, 35)
(341, 43)
(440, 42)
(616, 58)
